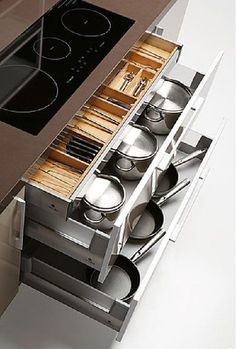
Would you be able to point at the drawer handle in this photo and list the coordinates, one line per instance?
(18, 223)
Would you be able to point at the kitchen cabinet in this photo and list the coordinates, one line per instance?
(11, 242)
(59, 247)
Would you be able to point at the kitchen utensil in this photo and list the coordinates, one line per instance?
(135, 152)
(102, 114)
(77, 127)
(166, 106)
(102, 202)
(72, 151)
(127, 79)
(77, 151)
(90, 151)
(123, 279)
(153, 209)
(168, 179)
(140, 86)
(119, 103)
(93, 123)
(85, 142)
(150, 53)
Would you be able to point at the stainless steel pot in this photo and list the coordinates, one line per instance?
(166, 106)
(135, 153)
(101, 204)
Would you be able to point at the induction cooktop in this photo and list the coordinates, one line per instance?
(43, 67)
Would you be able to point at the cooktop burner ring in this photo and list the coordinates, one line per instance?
(50, 84)
(101, 19)
(63, 45)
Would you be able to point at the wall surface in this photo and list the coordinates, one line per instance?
(189, 303)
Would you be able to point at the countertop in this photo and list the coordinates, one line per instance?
(18, 149)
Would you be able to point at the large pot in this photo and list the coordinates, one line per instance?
(102, 202)
(135, 153)
(166, 106)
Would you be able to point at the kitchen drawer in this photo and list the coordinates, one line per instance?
(73, 175)
(66, 279)
(91, 246)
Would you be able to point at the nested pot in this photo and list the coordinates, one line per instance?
(166, 106)
(135, 153)
(102, 202)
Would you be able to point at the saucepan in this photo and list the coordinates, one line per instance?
(169, 178)
(123, 279)
(135, 153)
(102, 202)
(166, 106)
(154, 210)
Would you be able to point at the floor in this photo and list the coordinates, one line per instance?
(189, 303)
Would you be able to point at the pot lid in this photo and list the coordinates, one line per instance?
(105, 193)
(171, 96)
(137, 143)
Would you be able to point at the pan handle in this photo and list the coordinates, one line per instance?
(184, 183)
(189, 157)
(157, 111)
(94, 221)
(120, 168)
(146, 247)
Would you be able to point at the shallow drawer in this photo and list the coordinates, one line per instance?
(66, 280)
(55, 183)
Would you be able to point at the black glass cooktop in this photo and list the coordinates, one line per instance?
(43, 67)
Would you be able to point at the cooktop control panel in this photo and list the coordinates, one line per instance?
(42, 68)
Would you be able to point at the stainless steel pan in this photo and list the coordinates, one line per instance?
(169, 178)
(166, 106)
(153, 208)
(123, 279)
(135, 153)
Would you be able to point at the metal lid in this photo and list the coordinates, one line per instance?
(172, 96)
(106, 193)
(138, 143)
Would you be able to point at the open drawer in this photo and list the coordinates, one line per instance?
(57, 212)
(66, 280)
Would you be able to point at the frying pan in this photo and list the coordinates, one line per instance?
(170, 177)
(153, 208)
(123, 279)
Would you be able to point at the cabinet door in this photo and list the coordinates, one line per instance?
(11, 237)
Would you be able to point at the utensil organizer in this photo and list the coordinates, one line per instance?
(59, 246)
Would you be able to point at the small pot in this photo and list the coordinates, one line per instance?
(166, 106)
(101, 204)
(135, 153)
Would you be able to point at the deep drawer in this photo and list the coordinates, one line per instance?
(91, 246)
(65, 279)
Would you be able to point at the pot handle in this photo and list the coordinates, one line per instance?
(184, 183)
(94, 221)
(189, 157)
(122, 168)
(151, 106)
(146, 247)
